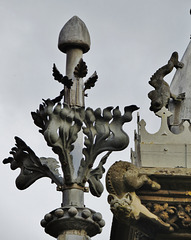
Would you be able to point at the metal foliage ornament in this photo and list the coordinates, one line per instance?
(77, 135)
(60, 78)
(32, 167)
(103, 133)
(60, 125)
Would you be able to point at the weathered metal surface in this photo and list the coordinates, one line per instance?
(74, 40)
(73, 235)
(32, 167)
(77, 136)
(69, 220)
(73, 196)
(74, 34)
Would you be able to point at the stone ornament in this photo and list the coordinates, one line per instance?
(161, 95)
(159, 208)
(177, 215)
(122, 181)
(173, 150)
(181, 83)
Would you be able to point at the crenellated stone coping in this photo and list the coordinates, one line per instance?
(164, 135)
(72, 218)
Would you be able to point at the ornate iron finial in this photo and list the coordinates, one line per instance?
(64, 126)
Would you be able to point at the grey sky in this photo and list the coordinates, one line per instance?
(130, 41)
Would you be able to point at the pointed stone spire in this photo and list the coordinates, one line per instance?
(181, 83)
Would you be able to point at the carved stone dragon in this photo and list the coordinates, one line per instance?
(122, 181)
(162, 94)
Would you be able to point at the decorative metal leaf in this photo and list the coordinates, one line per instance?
(60, 78)
(60, 127)
(90, 82)
(59, 98)
(32, 167)
(96, 187)
(81, 69)
(51, 163)
(37, 120)
(103, 133)
(56, 74)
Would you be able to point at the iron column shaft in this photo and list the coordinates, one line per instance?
(74, 40)
(75, 95)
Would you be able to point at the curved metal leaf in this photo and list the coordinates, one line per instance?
(103, 132)
(32, 167)
(81, 69)
(60, 126)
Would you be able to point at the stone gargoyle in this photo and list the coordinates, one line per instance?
(161, 95)
(122, 181)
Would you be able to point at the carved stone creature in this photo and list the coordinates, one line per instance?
(161, 95)
(123, 177)
(122, 180)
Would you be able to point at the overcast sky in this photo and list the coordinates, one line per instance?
(130, 40)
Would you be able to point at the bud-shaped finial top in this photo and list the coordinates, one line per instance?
(74, 34)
